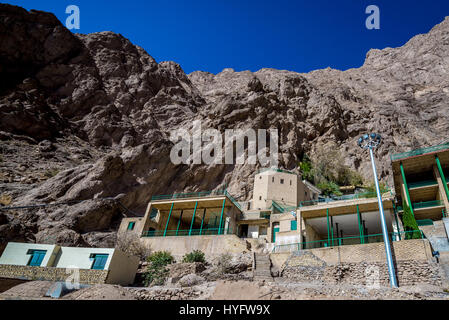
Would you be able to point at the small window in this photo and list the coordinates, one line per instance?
(290, 182)
(260, 177)
(260, 197)
(293, 225)
(37, 256)
(282, 181)
(131, 225)
(99, 261)
(272, 179)
(153, 213)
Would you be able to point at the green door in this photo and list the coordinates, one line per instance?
(275, 230)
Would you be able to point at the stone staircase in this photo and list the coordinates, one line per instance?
(262, 267)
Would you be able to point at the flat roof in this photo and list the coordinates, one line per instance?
(345, 207)
(210, 202)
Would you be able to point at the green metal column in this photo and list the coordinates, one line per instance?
(193, 218)
(443, 178)
(332, 231)
(202, 220)
(328, 228)
(406, 189)
(221, 217)
(179, 222)
(360, 225)
(168, 220)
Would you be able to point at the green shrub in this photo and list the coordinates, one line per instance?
(194, 256)
(156, 271)
(329, 188)
(409, 223)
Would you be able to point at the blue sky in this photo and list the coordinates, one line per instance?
(253, 34)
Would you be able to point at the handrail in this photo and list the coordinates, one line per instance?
(220, 192)
(274, 169)
(355, 196)
(419, 152)
(277, 206)
(423, 183)
(187, 232)
(340, 241)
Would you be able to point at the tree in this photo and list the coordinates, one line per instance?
(409, 222)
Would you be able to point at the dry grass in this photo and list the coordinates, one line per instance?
(129, 242)
(5, 199)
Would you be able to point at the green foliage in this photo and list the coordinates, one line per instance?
(328, 171)
(194, 256)
(306, 168)
(157, 272)
(409, 223)
(329, 188)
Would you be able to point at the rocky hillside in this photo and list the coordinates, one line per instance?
(89, 117)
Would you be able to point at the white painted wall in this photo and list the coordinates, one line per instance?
(80, 257)
(16, 253)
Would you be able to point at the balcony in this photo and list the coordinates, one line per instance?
(355, 196)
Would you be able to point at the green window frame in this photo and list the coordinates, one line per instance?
(131, 225)
(293, 225)
(37, 256)
(99, 261)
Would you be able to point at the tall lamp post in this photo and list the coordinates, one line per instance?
(370, 142)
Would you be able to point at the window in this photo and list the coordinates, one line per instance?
(290, 182)
(260, 197)
(153, 213)
(282, 181)
(272, 179)
(293, 225)
(37, 256)
(131, 225)
(99, 261)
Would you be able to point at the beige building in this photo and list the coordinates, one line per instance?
(31, 261)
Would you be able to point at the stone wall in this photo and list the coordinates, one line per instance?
(51, 274)
(362, 264)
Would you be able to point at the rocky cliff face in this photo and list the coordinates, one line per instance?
(89, 117)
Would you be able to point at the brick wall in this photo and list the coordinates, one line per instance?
(362, 264)
(51, 274)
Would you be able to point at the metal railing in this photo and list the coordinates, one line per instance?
(188, 232)
(419, 152)
(220, 192)
(274, 169)
(420, 184)
(427, 204)
(355, 196)
(352, 240)
(424, 222)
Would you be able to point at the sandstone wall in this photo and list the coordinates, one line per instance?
(51, 274)
(212, 245)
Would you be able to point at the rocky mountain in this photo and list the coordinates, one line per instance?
(89, 117)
